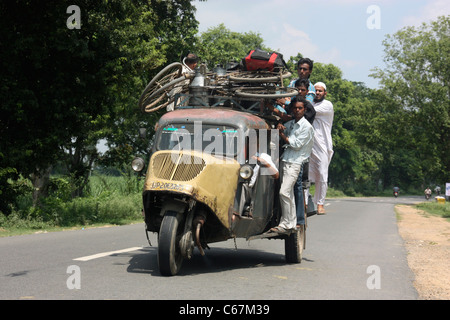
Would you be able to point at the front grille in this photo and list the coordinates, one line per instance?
(178, 167)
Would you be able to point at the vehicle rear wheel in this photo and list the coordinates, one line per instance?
(170, 258)
(293, 246)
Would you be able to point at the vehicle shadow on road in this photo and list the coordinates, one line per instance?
(214, 260)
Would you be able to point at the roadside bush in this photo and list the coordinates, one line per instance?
(107, 200)
(12, 187)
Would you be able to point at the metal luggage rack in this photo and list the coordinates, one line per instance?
(193, 101)
(242, 90)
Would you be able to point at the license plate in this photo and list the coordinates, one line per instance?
(157, 185)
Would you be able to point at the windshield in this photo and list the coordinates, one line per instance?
(212, 139)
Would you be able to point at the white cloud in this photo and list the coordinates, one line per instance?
(325, 2)
(293, 41)
(291, 31)
(429, 12)
(290, 27)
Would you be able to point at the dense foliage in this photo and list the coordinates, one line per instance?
(63, 89)
(416, 83)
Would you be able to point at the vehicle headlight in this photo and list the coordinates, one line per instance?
(137, 164)
(246, 172)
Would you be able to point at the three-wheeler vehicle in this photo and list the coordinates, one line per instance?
(197, 185)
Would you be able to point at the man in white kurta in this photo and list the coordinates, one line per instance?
(322, 150)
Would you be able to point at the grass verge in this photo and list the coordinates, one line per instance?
(435, 208)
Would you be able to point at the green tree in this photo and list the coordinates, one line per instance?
(63, 89)
(173, 25)
(219, 45)
(417, 79)
(176, 27)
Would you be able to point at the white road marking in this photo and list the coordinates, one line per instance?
(105, 254)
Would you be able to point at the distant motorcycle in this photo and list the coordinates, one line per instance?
(438, 190)
(396, 190)
(427, 196)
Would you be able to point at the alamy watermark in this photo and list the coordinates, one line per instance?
(374, 20)
(74, 20)
(74, 280)
(228, 144)
(374, 280)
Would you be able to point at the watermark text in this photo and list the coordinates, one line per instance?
(374, 20)
(74, 20)
(374, 280)
(74, 280)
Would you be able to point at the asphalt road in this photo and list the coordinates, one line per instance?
(352, 252)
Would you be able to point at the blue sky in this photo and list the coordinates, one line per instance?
(327, 31)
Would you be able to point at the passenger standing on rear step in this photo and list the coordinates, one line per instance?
(298, 135)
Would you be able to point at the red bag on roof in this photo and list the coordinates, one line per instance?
(262, 60)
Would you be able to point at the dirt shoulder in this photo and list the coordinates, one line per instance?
(427, 241)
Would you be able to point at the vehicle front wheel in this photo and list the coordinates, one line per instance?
(170, 258)
(293, 246)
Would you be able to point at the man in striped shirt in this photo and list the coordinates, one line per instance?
(304, 70)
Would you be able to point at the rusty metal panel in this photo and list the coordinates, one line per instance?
(224, 116)
(214, 184)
